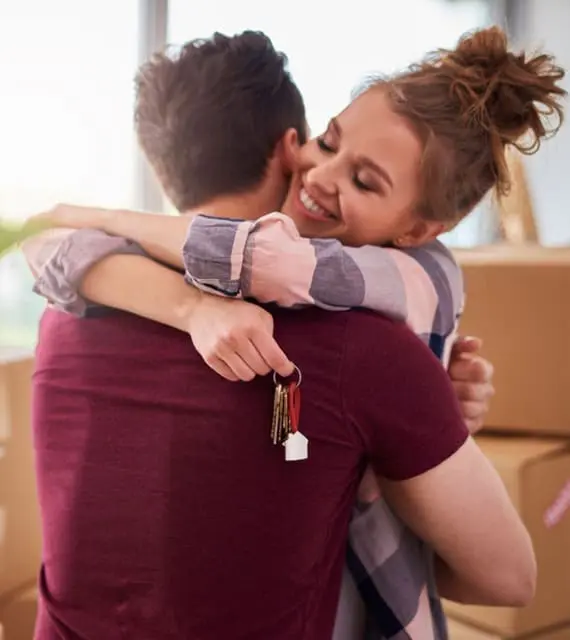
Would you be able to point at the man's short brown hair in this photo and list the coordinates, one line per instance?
(209, 115)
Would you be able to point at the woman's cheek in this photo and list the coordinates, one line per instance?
(310, 155)
(353, 218)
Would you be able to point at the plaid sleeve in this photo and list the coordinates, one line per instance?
(393, 573)
(60, 261)
(213, 254)
(439, 264)
(268, 260)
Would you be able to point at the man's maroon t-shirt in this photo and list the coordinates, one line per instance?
(168, 513)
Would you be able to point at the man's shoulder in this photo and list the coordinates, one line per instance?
(357, 331)
(359, 317)
(330, 319)
(370, 335)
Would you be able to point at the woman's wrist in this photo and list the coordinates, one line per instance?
(188, 308)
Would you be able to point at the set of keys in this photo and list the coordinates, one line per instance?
(285, 423)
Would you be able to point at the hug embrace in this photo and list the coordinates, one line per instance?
(167, 511)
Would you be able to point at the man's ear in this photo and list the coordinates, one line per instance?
(421, 232)
(287, 150)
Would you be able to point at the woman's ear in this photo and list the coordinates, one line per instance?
(421, 232)
(288, 150)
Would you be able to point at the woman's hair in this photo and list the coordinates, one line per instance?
(468, 104)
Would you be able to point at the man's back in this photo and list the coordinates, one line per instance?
(167, 511)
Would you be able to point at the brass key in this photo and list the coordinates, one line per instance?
(281, 424)
(276, 422)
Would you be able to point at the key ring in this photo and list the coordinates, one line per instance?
(296, 370)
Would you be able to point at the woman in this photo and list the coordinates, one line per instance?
(445, 123)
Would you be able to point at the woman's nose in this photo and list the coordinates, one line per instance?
(322, 178)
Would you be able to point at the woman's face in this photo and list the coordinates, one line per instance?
(359, 180)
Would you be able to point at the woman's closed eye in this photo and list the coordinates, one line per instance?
(324, 146)
(361, 185)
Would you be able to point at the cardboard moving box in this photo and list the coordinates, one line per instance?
(19, 520)
(18, 615)
(459, 631)
(518, 303)
(535, 473)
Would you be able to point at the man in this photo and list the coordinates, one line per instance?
(87, 338)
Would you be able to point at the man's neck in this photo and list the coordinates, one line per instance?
(266, 197)
(248, 206)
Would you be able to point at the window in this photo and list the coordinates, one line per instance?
(330, 49)
(67, 71)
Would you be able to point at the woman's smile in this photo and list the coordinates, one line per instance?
(313, 209)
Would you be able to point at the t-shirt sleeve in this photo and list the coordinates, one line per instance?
(398, 398)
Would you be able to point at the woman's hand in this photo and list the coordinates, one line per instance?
(472, 378)
(70, 216)
(235, 338)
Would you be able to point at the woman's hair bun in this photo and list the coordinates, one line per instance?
(515, 97)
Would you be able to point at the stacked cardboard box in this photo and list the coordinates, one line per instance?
(19, 521)
(459, 631)
(518, 301)
(19, 614)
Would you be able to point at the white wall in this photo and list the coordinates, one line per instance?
(546, 24)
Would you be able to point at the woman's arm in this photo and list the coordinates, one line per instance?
(161, 236)
(73, 268)
(140, 286)
(268, 260)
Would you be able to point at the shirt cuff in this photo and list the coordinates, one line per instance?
(60, 278)
(213, 254)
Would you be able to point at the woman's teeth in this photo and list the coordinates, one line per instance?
(312, 206)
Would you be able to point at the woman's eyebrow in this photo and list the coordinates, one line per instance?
(364, 161)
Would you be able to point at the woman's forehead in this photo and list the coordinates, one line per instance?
(369, 126)
(370, 116)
